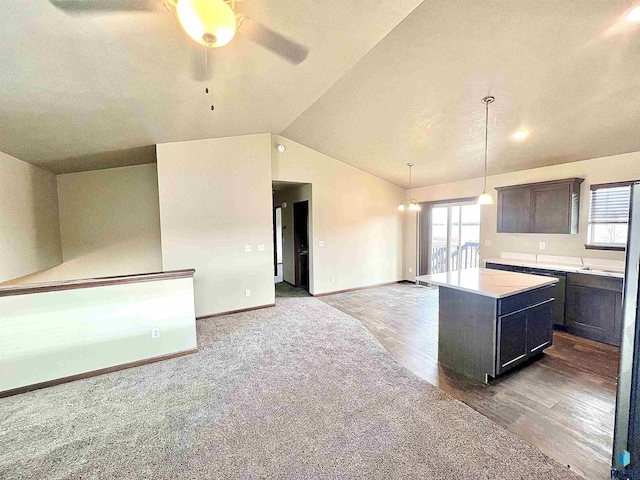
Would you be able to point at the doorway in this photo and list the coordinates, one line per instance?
(301, 243)
(449, 236)
(293, 232)
(277, 243)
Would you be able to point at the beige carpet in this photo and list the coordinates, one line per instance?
(301, 390)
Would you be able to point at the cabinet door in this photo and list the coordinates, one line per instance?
(551, 208)
(513, 210)
(539, 327)
(593, 313)
(512, 340)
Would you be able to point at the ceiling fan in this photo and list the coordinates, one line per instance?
(211, 23)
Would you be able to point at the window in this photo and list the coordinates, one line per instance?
(609, 215)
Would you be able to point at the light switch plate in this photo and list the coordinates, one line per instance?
(155, 333)
(543, 245)
(321, 243)
(284, 204)
(261, 248)
(332, 279)
(247, 293)
(488, 243)
(410, 269)
(247, 248)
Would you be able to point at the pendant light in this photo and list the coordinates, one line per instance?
(485, 198)
(412, 204)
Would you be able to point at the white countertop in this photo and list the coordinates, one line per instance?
(557, 266)
(488, 282)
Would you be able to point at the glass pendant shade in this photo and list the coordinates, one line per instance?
(211, 23)
(413, 206)
(485, 199)
(401, 207)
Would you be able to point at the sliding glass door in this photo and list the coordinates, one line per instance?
(453, 237)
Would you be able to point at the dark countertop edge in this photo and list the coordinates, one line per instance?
(29, 288)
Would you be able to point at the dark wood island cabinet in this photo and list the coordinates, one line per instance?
(491, 321)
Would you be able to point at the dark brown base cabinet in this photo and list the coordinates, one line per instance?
(483, 337)
(594, 307)
(559, 290)
(586, 305)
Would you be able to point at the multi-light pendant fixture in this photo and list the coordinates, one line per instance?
(409, 203)
(485, 198)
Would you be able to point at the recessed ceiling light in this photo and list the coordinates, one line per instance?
(281, 148)
(521, 134)
(634, 15)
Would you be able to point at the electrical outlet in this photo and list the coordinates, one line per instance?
(488, 243)
(247, 293)
(543, 245)
(410, 269)
(332, 279)
(247, 248)
(321, 243)
(261, 248)
(155, 333)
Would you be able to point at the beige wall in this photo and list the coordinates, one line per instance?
(289, 196)
(29, 226)
(46, 336)
(353, 213)
(109, 224)
(597, 170)
(215, 198)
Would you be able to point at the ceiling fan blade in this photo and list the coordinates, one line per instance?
(88, 6)
(288, 49)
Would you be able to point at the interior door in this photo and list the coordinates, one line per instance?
(301, 243)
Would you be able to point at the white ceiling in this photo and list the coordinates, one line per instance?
(88, 91)
(568, 70)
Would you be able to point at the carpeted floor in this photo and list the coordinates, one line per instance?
(301, 390)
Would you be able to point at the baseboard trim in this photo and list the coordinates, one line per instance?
(94, 373)
(231, 312)
(357, 288)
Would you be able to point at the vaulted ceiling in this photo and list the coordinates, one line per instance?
(85, 90)
(386, 82)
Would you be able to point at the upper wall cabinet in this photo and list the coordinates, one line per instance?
(546, 207)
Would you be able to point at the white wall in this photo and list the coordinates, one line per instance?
(290, 196)
(215, 198)
(598, 170)
(46, 336)
(29, 227)
(109, 224)
(353, 212)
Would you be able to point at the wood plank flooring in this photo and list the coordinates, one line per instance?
(563, 404)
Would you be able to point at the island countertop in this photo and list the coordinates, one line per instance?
(488, 282)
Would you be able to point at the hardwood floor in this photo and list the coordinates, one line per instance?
(563, 404)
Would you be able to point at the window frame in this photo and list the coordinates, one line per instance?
(591, 245)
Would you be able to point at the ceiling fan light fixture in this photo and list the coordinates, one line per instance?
(211, 23)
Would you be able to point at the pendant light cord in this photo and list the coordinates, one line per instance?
(486, 140)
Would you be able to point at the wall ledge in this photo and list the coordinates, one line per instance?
(93, 282)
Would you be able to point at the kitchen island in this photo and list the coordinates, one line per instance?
(491, 320)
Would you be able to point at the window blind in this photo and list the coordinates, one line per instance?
(609, 204)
